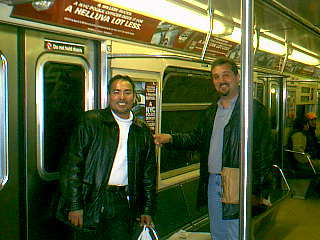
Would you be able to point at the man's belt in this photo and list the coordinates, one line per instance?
(115, 188)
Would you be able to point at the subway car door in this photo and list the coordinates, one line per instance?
(59, 86)
(9, 144)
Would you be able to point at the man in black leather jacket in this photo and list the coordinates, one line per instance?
(108, 177)
(218, 140)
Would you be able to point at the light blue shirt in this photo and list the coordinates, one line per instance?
(216, 143)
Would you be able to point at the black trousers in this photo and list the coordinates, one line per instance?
(116, 221)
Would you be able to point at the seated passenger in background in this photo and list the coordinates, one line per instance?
(312, 120)
(300, 141)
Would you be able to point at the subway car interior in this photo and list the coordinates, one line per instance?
(58, 56)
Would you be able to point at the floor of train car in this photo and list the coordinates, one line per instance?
(297, 219)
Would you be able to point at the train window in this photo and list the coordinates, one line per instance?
(4, 171)
(187, 88)
(305, 90)
(304, 99)
(64, 89)
(63, 103)
(185, 95)
(258, 92)
(182, 121)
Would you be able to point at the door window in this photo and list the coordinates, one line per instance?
(63, 104)
(64, 89)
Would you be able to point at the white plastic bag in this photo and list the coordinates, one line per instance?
(148, 233)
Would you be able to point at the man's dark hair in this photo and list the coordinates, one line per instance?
(223, 61)
(299, 123)
(122, 78)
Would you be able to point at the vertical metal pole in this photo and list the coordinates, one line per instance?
(246, 117)
(105, 72)
(283, 120)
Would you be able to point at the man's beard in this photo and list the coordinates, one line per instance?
(225, 93)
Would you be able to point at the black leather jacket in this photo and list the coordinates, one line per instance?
(199, 139)
(86, 170)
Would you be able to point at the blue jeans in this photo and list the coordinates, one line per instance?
(220, 229)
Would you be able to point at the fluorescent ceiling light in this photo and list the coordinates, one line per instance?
(235, 35)
(236, 20)
(171, 13)
(304, 49)
(270, 46)
(265, 44)
(267, 33)
(167, 11)
(198, 4)
(303, 58)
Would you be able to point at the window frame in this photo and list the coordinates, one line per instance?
(88, 102)
(166, 107)
(4, 158)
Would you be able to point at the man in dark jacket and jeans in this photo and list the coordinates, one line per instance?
(218, 139)
(108, 178)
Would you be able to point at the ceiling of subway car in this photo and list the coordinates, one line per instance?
(288, 21)
(307, 9)
(295, 20)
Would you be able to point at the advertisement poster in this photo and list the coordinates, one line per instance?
(103, 19)
(145, 107)
(95, 17)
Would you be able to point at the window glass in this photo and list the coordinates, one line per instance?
(258, 93)
(181, 121)
(187, 88)
(194, 92)
(63, 104)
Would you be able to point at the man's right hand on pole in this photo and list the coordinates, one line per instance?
(160, 139)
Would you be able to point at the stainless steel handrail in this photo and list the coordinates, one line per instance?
(4, 159)
(283, 176)
(307, 156)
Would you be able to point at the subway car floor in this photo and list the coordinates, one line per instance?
(297, 219)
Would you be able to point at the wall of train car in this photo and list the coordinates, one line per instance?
(11, 203)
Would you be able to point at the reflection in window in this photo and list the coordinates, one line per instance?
(258, 93)
(185, 95)
(274, 106)
(4, 123)
(182, 121)
(187, 88)
(63, 104)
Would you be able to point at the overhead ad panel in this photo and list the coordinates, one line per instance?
(92, 16)
(95, 17)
